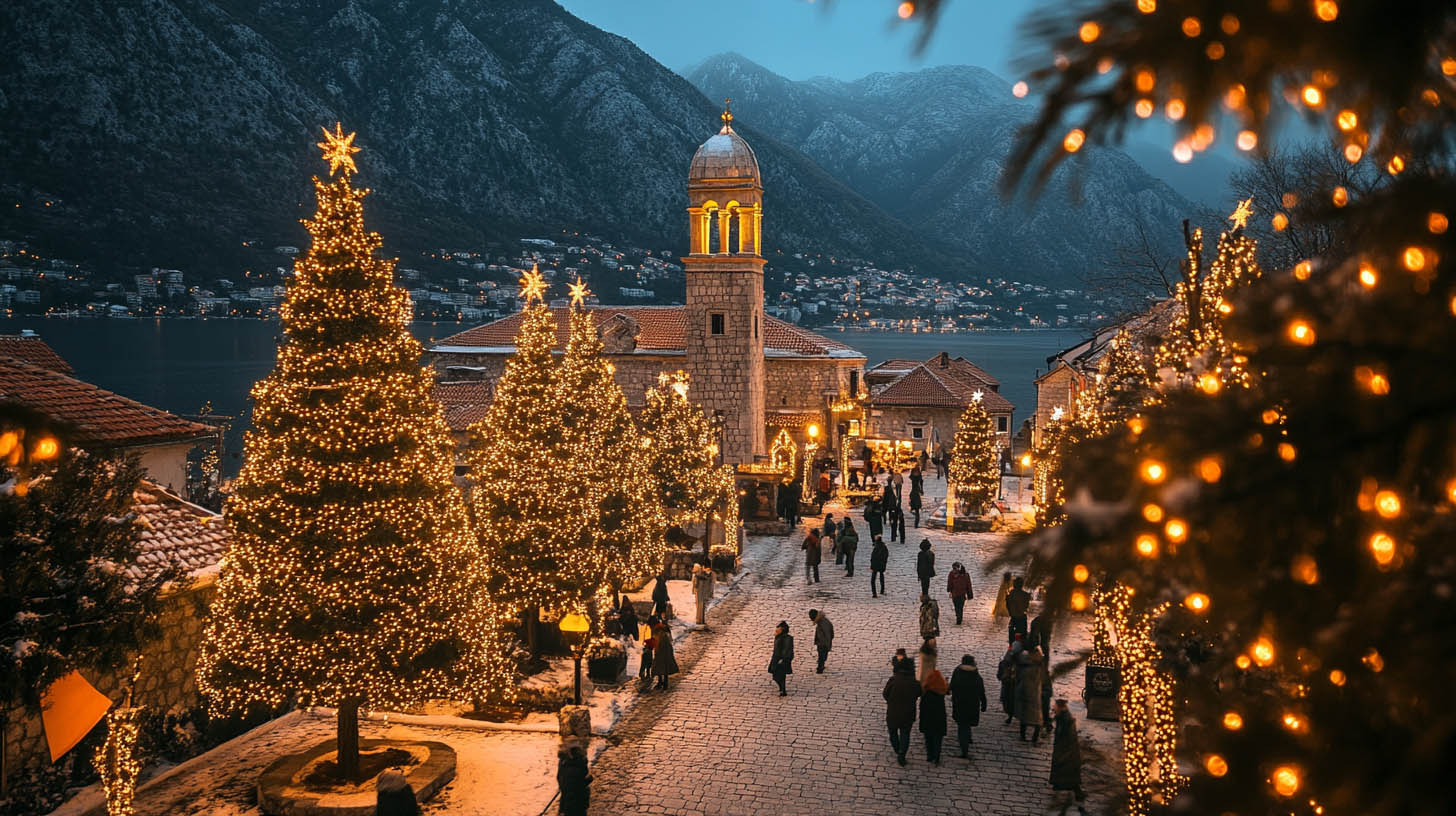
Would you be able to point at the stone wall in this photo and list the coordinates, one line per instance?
(635, 372)
(1056, 389)
(809, 383)
(728, 368)
(895, 422)
(167, 685)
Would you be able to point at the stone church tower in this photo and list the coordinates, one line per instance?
(724, 271)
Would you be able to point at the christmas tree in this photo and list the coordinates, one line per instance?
(975, 467)
(1289, 539)
(606, 477)
(683, 446)
(353, 579)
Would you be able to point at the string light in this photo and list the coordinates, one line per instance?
(1153, 471)
(1414, 258)
(1080, 573)
(1150, 6)
(1382, 547)
(1326, 10)
(1368, 278)
(1305, 570)
(1247, 140)
(1196, 602)
(1387, 504)
(975, 463)
(1233, 721)
(1263, 651)
(1437, 223)
(1192, 27)
(1147, 546)
(1312, 96)
(1073, 141)
(1216, 765)
(118, 760)
(1153, 513)
(1089, 31)
(1176, 530)
(1300, 332)
(1347, 120)
(1285, 780)
(1210, 469)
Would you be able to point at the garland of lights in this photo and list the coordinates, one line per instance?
(117, 759)
(782, 453)
(352, 577)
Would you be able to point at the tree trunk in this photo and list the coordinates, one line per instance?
(533, 631)
(348, 755)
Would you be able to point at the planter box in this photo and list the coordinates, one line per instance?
(606, 669)
(1099, 692)
(725, 564)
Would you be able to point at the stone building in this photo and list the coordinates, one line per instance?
(754, 372)
(922, 401)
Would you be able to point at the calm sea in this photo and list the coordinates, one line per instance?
(181, 364)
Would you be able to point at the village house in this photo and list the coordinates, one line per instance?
(922, 401)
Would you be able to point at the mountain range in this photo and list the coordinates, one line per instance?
(169, 132)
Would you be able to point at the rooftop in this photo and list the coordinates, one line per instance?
(926, 386)
(30, 348)
(465, 402)
(97, 418)
(659, 329)
(724, 156)
(176, 533)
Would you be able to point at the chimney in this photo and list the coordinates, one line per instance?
(944, 359)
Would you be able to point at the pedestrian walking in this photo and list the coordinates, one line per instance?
(1067, 758)
(896, 517)
(823, 637)
(1018, 601)
(929, 617)
(627, 620)
(702, 590)
(649, 646)
(900, 656)
(900, 695)
(781, 664)
(1028, 693)
(1046, 686)
(573, 780)
(848, 545)
(1006, 676)
(874, 516)
(967, 700)
(824, 485)
(796, 495)
(830, 538)
(811, 548)
(664, 661)
(928, 664)
(958, 584)
(932, 715)
(659, 596)
(393, 795)
(917, 477)
(879, 560)
(925, 566)
(915, 503)
(1039, 633)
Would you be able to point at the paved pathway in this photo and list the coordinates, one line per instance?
(722, 741)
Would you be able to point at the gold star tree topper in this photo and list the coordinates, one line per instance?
(1242, 213)
(533, 286)
(579, 292)
(339, 150)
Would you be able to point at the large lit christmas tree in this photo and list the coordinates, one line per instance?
(605, 477)
(353, 580)
(975, 467)
(683, 448)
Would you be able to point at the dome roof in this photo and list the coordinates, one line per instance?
(724, 156)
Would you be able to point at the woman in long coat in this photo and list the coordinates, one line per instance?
(932, 715)
(1029, 678)
(781, 665)
(1006, 675)
(967, 700)
(664, 663)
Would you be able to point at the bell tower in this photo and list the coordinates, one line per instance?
(724, 270)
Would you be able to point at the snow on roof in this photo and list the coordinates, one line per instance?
(176, 533)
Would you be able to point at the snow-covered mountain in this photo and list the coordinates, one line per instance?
(166, 132)
(930, 147)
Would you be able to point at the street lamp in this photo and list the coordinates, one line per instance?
(1025, 462)
(576, 624)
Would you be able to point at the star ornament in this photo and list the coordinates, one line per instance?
(339, 150)
(1058, 413)
(1242, 213)
(533, 286)
(976, 396)
(579, 292)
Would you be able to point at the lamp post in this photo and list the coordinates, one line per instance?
(1025, 462)
(575, 624)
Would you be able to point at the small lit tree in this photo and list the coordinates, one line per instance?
(975, 468)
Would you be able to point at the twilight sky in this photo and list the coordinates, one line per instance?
(799, 39)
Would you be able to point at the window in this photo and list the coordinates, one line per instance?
(755, 327)
(917, 433)
(1002, 424)
(854, 382)
(715, 323)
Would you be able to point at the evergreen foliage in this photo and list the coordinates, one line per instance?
(975, 467)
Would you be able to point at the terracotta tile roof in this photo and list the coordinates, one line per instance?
(662, 328)
(889, 366)
(465, 402)
(98, 418)
(925, 387)
(961, 368)
(33, 350)
(176, 533)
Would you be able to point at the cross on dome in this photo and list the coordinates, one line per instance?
(727, 116)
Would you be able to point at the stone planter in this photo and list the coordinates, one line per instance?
(606, 669)
(282, 793)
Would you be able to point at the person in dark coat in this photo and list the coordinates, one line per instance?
(781, 664)
(925, 566)
(1067, 757)
(823, 637)
(1006, 676)
(1018, 601)
(901, 656)
(627, 619)
(659, 596)
(812, 554)
(664, 662)
(1039, 633)
(915, 503)
(573, 781)
(932, 715)
(958, 584)
(874, 516)
(649, 645)
(900, 695)
(879, 561)
(1046, 687)
(895, 515)
(1029, 679)
(395, 797)
(967, 700)
(848, 545)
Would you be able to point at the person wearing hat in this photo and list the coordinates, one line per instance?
(925, 566)
(967, 700)
(394, 796)
(900, 695)
(781, 664)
